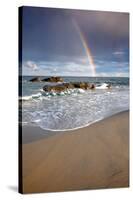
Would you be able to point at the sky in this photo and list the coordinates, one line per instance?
(65, 42)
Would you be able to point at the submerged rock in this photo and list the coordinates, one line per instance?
(35, 79)
(53, 79)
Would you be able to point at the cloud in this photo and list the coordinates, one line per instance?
(76, 68)
(57, 68)
(30, 64)
(65, 68)
(113, 74)
(118, 53)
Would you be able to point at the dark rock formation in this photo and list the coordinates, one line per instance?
(58, 88)
(35, 79)
(53, 79)
(64, 86)
(92, 86)
(82, 85)
(68, 85)
(109, 86)
(55, 88)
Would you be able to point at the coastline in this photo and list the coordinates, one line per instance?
(96, 156)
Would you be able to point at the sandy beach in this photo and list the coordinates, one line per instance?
(96, 156)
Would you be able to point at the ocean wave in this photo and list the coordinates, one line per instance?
(70, 112)
(103, 86)
(74, 91)
(30, 97)
(25, 98)
(72, 108)
(37, 123)
(42, 94)
(68, 129)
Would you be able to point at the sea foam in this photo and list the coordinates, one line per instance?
(73, 108)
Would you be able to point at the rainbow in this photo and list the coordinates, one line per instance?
(87, 49)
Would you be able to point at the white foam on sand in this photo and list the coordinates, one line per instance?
(72, 129)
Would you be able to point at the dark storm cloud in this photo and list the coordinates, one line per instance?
(49, 35)
(104, 30)
(112, 23)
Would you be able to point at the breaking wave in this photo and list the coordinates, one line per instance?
(74, 91)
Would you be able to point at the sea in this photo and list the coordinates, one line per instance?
(74, 108)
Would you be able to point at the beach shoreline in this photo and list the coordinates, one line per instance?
(96, 156)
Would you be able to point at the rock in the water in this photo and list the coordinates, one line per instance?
(53, 79)
(82, 85)
(35, 79)
(109, 86)
(66, 86)
(55, 88)
(92, 86)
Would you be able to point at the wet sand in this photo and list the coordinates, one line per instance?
(96, 156)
